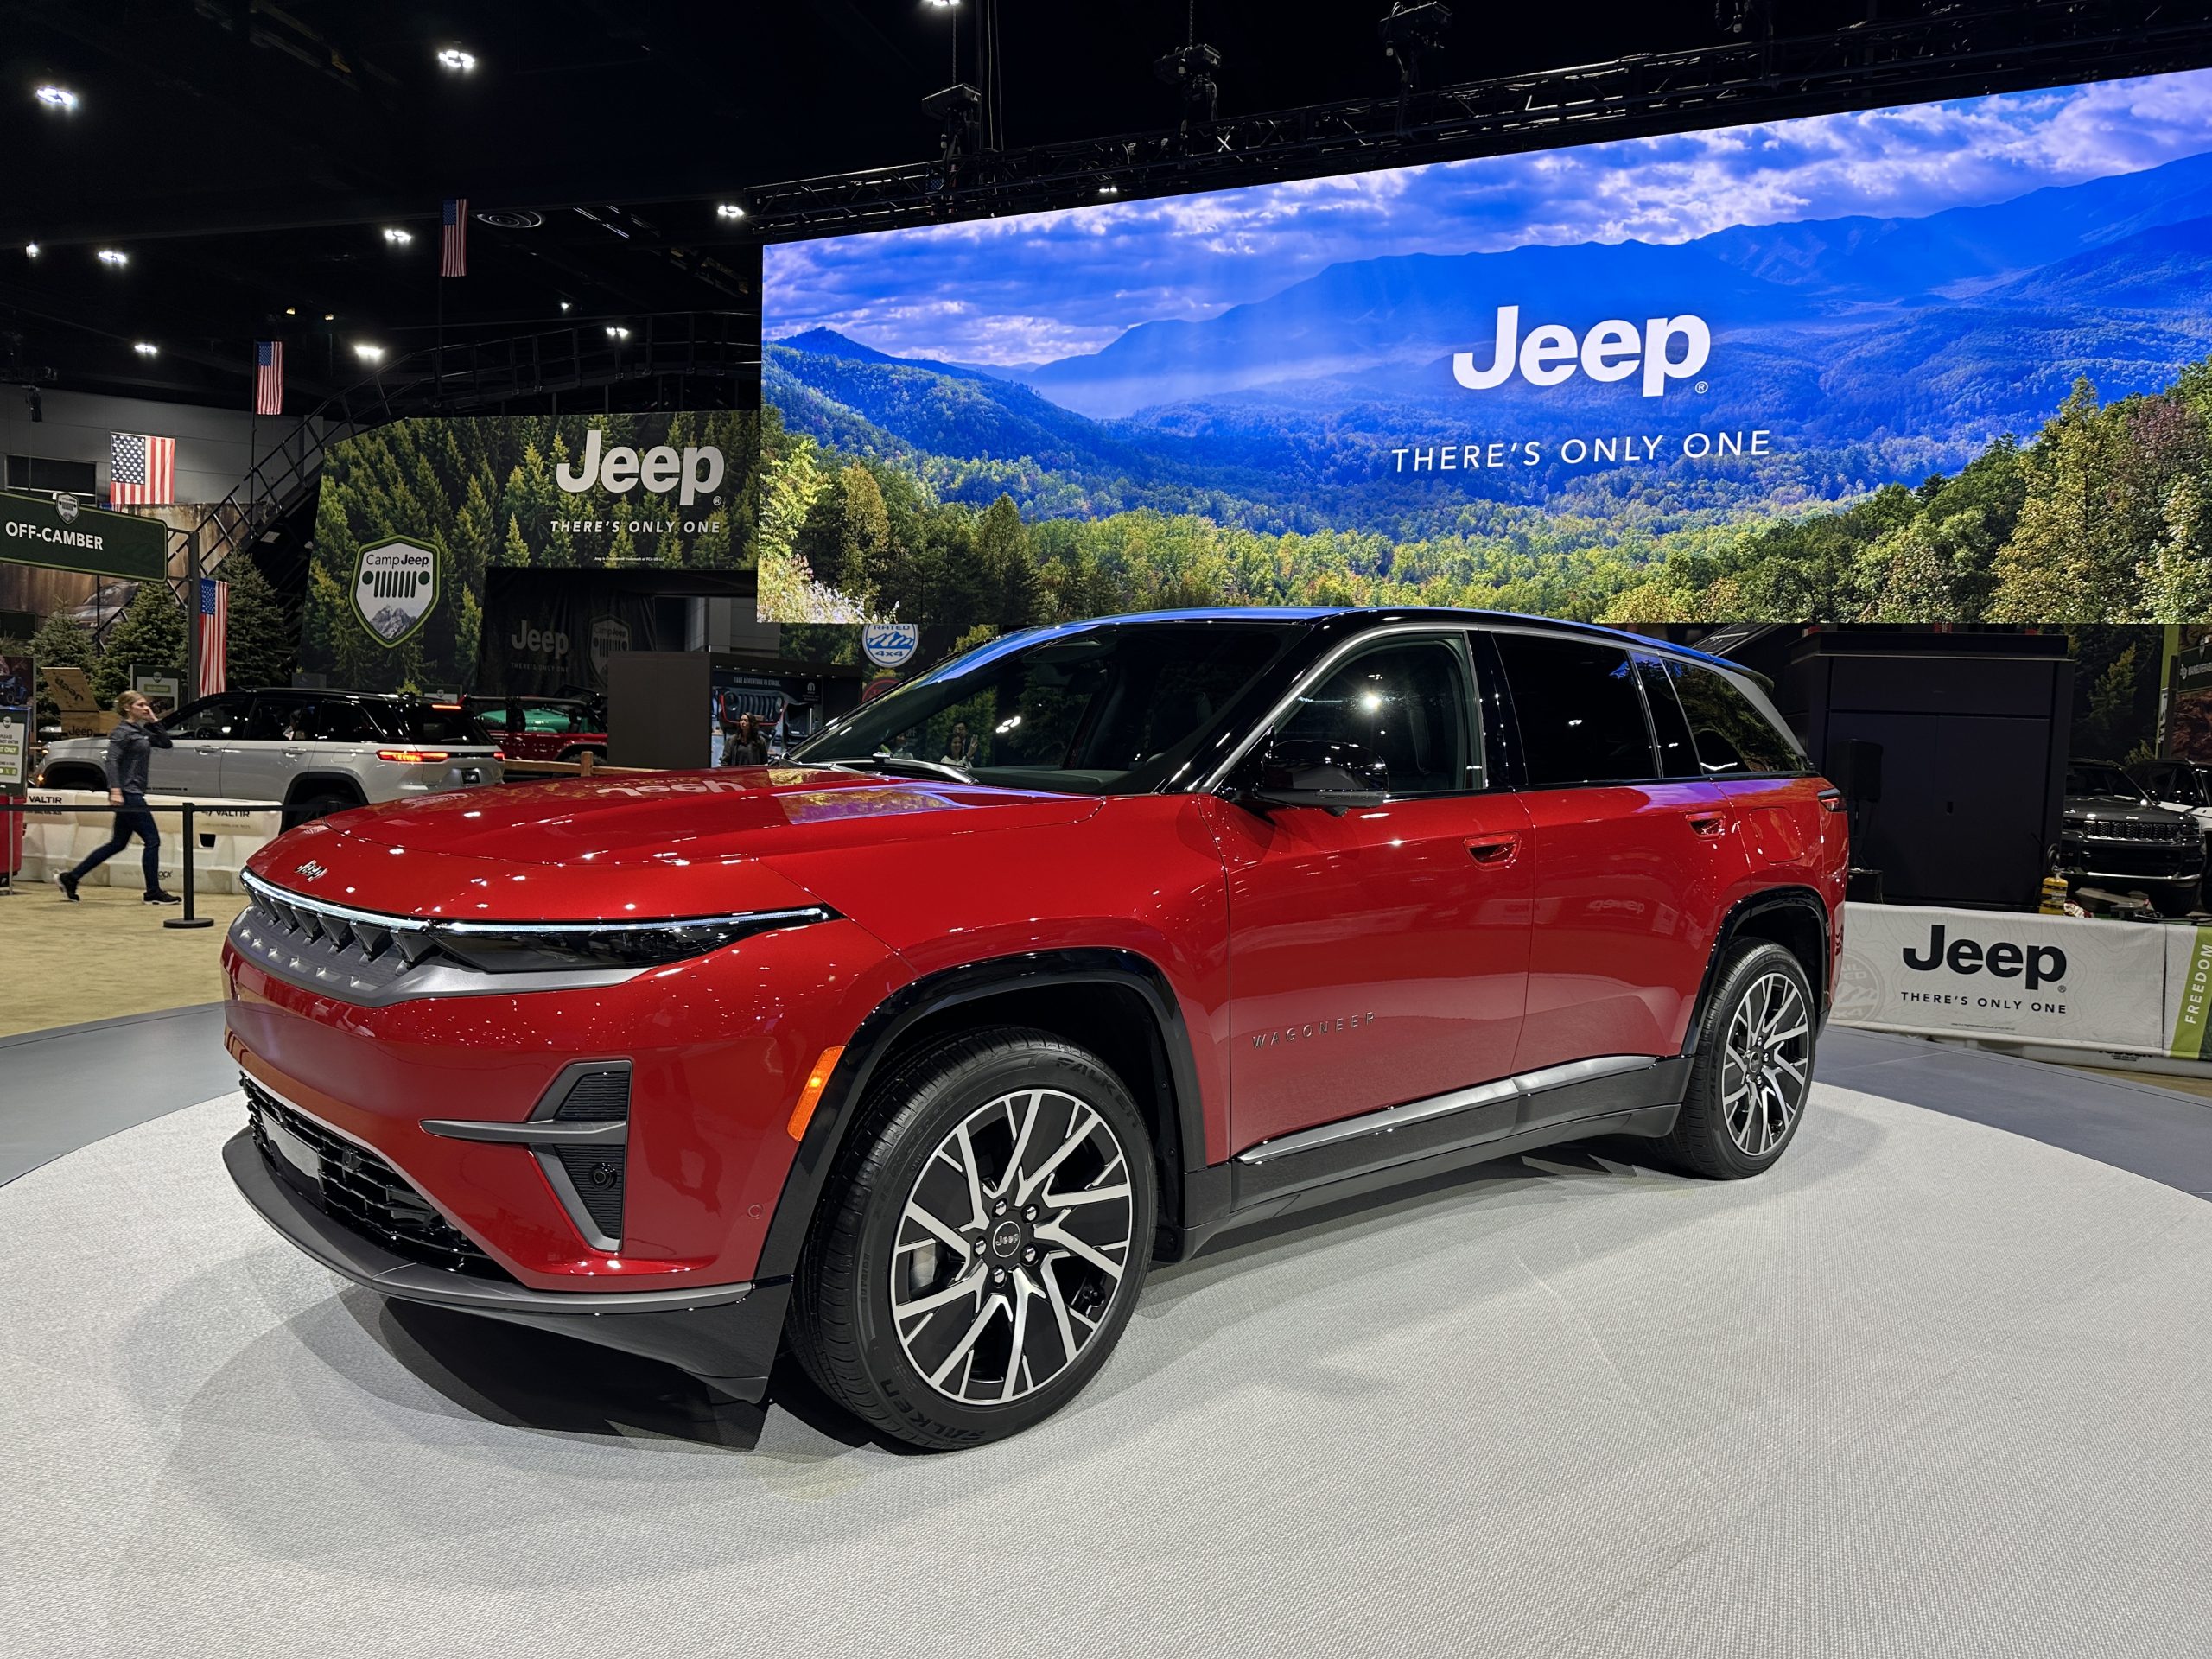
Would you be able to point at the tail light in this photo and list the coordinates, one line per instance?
(1832, 799)
(412, 757)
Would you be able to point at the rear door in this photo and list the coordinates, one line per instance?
(1629, 866)
(1379, 956)
(270, 751)
(198, 733)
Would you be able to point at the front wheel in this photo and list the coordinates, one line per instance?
(1754, 1068)
(983, 1240)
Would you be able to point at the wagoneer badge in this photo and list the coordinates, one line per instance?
(312, 871)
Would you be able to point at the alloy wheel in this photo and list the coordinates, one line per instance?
(1765, 1063)
(1012, 1246)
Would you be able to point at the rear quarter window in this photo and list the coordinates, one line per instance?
(1734, 736)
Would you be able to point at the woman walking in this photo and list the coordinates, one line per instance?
(130, 747)
(747, 745)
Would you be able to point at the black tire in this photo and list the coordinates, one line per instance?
(866, 1247)
(1715, 1134)
(2174, 902)
(317, 806)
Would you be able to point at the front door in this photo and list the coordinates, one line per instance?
(198, 733)
(1378, 957)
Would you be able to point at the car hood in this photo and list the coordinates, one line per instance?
(663, 844)
(2122, 807)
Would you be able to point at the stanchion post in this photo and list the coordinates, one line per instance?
(189, 919)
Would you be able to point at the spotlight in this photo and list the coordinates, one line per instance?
(115, 257)
(1108, 187)
(564, 305)
(330, 316)
(459, 61)
(398, 238)
(57, 98)
(940, 5)
(367, 353)
(613, 332)
(291, 310)
(30, 249)
(730, 210)
(146, 348)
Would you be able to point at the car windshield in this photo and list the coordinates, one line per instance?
(2098, 778)
(432, 722)
(1106, 708)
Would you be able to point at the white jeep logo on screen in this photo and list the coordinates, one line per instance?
(395, 588)
(698, 470)
(1614, 350)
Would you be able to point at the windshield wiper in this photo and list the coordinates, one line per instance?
(895, 763)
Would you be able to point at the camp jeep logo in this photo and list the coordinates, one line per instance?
(698, 470)
(609, 634)
(2039, 964)
(395, 586)
(1666, 348)
(66, 506)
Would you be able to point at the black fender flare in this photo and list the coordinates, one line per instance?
(1743, 911)
(828, 1129)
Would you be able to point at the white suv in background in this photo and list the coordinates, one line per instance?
(315, 751)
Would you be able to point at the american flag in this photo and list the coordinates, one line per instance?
(215, 622)
(269, 377)
(453, 241)
(141, 471)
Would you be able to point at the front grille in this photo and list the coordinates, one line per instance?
(2129, 829)
(357, 1188)
(352, 960)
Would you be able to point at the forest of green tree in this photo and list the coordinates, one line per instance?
(2104, 516)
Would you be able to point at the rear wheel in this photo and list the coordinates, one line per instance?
(319, 806)
(1754, 1068)
(982, 1242)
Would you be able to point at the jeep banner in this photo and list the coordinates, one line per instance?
(1854, 367)
(2123, 988)
(414, 515)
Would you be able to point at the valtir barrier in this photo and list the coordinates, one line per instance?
(2054, 982)
(225, 835)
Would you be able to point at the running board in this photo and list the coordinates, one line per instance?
(1392, 1118)
(1627, 1093)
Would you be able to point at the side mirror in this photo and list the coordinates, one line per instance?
(1313, 771)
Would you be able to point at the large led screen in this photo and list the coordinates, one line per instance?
(1937, 363)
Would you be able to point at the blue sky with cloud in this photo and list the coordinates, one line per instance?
(1042, 286)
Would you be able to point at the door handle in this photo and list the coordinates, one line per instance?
(1493, 849)
(1707, 823)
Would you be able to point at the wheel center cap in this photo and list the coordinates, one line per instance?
(1006, 1240)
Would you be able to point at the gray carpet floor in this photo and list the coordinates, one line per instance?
(1927, 1388)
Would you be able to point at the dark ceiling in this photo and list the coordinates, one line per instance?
(248, 158)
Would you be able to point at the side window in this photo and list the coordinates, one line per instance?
(334, 720)
(1677, 752)
(1581, 717)
(276, 719)
(1733, 735)
(222, 716)
(1407, 701)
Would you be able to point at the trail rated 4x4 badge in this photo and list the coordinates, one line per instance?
(395, 588)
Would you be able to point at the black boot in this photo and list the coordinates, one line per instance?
(158, 897)
(69, 881)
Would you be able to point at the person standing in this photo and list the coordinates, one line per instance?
(747, 745)
(130, 749)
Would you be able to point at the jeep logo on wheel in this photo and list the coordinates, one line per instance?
(394, 587)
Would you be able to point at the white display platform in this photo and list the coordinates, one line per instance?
(226, 835)
(1928, 1387)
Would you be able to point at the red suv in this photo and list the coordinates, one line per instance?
(912, 1055)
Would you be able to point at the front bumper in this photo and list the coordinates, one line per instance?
(725, 1334)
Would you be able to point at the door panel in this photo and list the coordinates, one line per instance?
(1628, 882)
(193, 764)
(1377, 956)
(1375, 959)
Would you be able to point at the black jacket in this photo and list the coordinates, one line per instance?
(129, 748)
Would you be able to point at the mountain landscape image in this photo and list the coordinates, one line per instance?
(1278, 418)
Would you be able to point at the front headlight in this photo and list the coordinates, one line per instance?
(540, 947)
